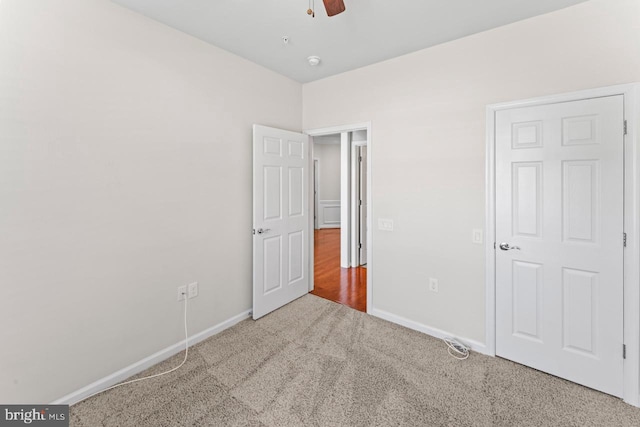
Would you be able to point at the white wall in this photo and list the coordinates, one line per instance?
(328, 156)
(326, 149)
(359, 135)
(125, 171)
(428, 133)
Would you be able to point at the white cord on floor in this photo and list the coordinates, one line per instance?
(456, 349)
(186, 354)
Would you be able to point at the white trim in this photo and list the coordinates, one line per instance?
(631, 93)
(490, 233)
(345, 197)
(351, 128)
(434, 332)
(632, 252)
(339, 129)
(322, 219)
(355, 210)
(354, 220)
(353, 204)
(147, 362)
(312, 221)
(316, 191)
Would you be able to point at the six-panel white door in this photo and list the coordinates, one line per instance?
(559, 218)
(280, 218)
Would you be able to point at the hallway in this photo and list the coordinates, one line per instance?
(346, 286)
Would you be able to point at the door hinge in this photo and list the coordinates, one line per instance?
(360, 246)
(624, 240)
(625, 127)
(624, 351)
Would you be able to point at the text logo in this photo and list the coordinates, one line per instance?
(35, 415)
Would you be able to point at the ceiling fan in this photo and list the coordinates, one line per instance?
(333, 7)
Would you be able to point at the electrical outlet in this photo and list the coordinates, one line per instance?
(477, 235)
(193, 290)
(433, 284)
(182, 292)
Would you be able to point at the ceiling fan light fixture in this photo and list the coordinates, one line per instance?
(313, 60)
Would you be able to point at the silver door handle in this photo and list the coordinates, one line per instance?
(506, 247)
(263, 230)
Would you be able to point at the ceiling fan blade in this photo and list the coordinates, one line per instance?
(334, 7)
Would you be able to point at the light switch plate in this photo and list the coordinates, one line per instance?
(477, 235)
(385, 224)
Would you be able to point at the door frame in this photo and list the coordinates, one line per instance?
(342, 129)
(316, 189)
(355, 210)
(346, 251)
(631, 260)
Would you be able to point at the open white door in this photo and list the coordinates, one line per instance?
(559, 236)
(280, 218)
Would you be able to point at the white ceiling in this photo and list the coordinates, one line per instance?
(368, 31)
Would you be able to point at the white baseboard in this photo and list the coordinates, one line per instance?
(434, 332)
(147, 362)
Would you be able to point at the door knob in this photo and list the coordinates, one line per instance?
(505, 247)
(263, 230)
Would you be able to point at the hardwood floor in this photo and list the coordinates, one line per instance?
(346, 286)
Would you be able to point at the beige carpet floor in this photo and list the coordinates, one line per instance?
(317, 363)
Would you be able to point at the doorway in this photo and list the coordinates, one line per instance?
(341, 245)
